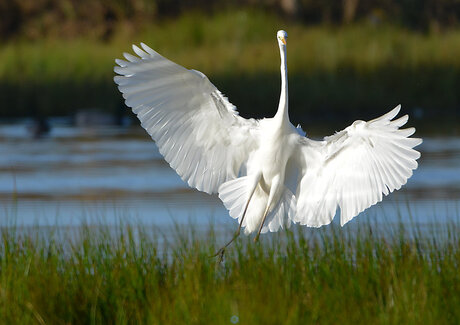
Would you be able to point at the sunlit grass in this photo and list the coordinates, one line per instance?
(236, 42)
(127, 274)
(360, 70)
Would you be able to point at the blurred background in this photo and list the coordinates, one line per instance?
(69, 148)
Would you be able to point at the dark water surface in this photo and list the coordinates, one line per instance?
(108, 174)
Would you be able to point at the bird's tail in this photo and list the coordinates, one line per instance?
(245, 191)
(283, 212)
(241, 197)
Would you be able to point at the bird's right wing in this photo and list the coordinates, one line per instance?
(195, 127)
(354, 168)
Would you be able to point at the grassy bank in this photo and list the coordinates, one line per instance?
(361, 68)
(97, 275)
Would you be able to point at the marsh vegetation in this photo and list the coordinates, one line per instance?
(395, 264)
(355, 70)
(125, 274)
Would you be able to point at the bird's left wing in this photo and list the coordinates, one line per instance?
(354, 168)
(197, 130)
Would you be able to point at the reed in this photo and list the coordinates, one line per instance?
(352, 71)
(97, 274)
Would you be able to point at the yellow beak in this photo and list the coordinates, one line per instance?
(283, 40)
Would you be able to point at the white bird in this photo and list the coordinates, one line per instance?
(266, 172)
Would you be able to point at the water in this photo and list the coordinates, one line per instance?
(108, 174)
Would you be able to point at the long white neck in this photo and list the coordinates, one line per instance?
(282, 113)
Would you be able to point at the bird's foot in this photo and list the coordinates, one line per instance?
(220, 253)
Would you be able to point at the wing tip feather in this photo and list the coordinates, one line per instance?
(121, 63)
(142, 54)
(392, 114)
(418, 141)
(148, 49)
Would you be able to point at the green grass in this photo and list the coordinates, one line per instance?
(359, 69)
(121, 275)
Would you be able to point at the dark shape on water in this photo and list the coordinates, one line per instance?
(39, 127)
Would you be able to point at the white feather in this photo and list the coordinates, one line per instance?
(356, 167)
(267, 173)
(195, 127)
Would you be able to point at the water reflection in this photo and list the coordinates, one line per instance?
(112, 173)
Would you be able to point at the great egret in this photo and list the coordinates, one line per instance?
(266, 172)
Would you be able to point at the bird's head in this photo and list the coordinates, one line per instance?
(282, 37)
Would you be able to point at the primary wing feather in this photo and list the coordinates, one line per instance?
(197, 130)
(354, 168)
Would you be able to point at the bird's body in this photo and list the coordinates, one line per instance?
(266, 172)
(269, 161)
(274, 150)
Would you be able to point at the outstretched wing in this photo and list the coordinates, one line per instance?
(354, 168)
(195, 127)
